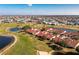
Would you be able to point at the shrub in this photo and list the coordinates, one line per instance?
(55, 47)
(77, 49)
(63, 44)
(26, 27)
(54, 33)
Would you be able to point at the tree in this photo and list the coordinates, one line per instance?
(55, 33)
(63, 44)
(55, 47)
(26, 27)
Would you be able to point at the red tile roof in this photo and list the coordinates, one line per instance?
(57, 39)
(56, 30)
(29, 30)
(69, 42)
(49, 36)
(50, 29)
(34, 31)
(40, 34)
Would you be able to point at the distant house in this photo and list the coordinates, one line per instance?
(0, 21)
(51, 22)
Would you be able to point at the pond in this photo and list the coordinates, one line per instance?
(68, 30)
(5, 40)
(16, 29)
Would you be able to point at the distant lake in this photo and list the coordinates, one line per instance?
(5, 40)
(68, 30)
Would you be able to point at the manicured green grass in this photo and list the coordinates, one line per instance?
(26, 44)
(22, 47)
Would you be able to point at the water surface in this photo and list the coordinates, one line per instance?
(68, 30)
(15, 29)
(5, 40)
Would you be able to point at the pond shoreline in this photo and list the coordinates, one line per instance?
(2, 51)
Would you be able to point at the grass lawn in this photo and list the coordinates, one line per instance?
(26, 44)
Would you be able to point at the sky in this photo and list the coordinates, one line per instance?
(39, 9)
